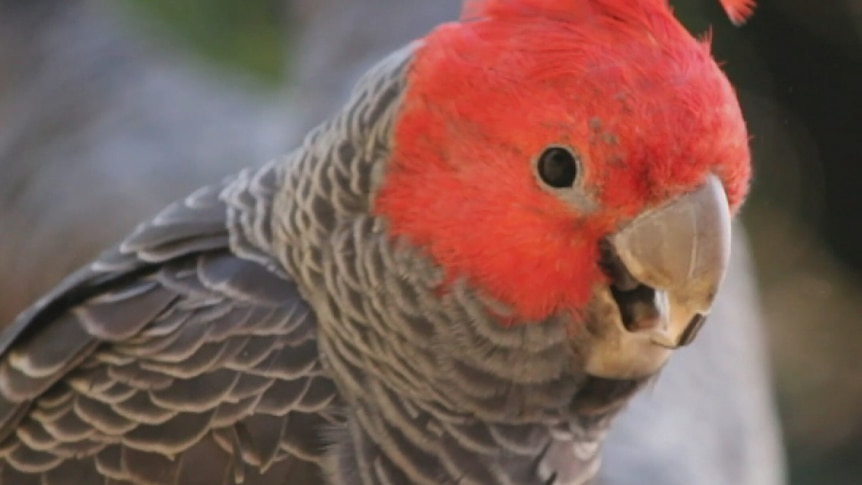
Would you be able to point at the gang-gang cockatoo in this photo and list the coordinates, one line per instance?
(461, 278)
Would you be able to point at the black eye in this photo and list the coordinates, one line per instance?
(558, 167)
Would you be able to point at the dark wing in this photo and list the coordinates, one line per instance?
(170, 360)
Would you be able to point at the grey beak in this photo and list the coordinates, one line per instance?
(674, 259)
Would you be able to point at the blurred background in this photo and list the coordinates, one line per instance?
(111, 109)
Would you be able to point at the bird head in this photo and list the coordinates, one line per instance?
(574, 157)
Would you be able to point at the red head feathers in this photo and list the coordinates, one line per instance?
(620, 83)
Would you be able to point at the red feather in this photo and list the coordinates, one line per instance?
(738, 10)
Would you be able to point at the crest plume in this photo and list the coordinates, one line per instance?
(737, 10)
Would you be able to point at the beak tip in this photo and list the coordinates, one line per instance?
(692, 329)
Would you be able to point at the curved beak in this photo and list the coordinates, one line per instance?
(666, 267)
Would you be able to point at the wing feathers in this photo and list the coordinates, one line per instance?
(169, 360)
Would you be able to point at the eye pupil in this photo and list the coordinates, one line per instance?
(558, 167)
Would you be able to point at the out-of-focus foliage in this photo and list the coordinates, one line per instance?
(245, 34)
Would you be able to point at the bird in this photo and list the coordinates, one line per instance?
(388, 304)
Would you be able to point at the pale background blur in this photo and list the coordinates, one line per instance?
(797, 65)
